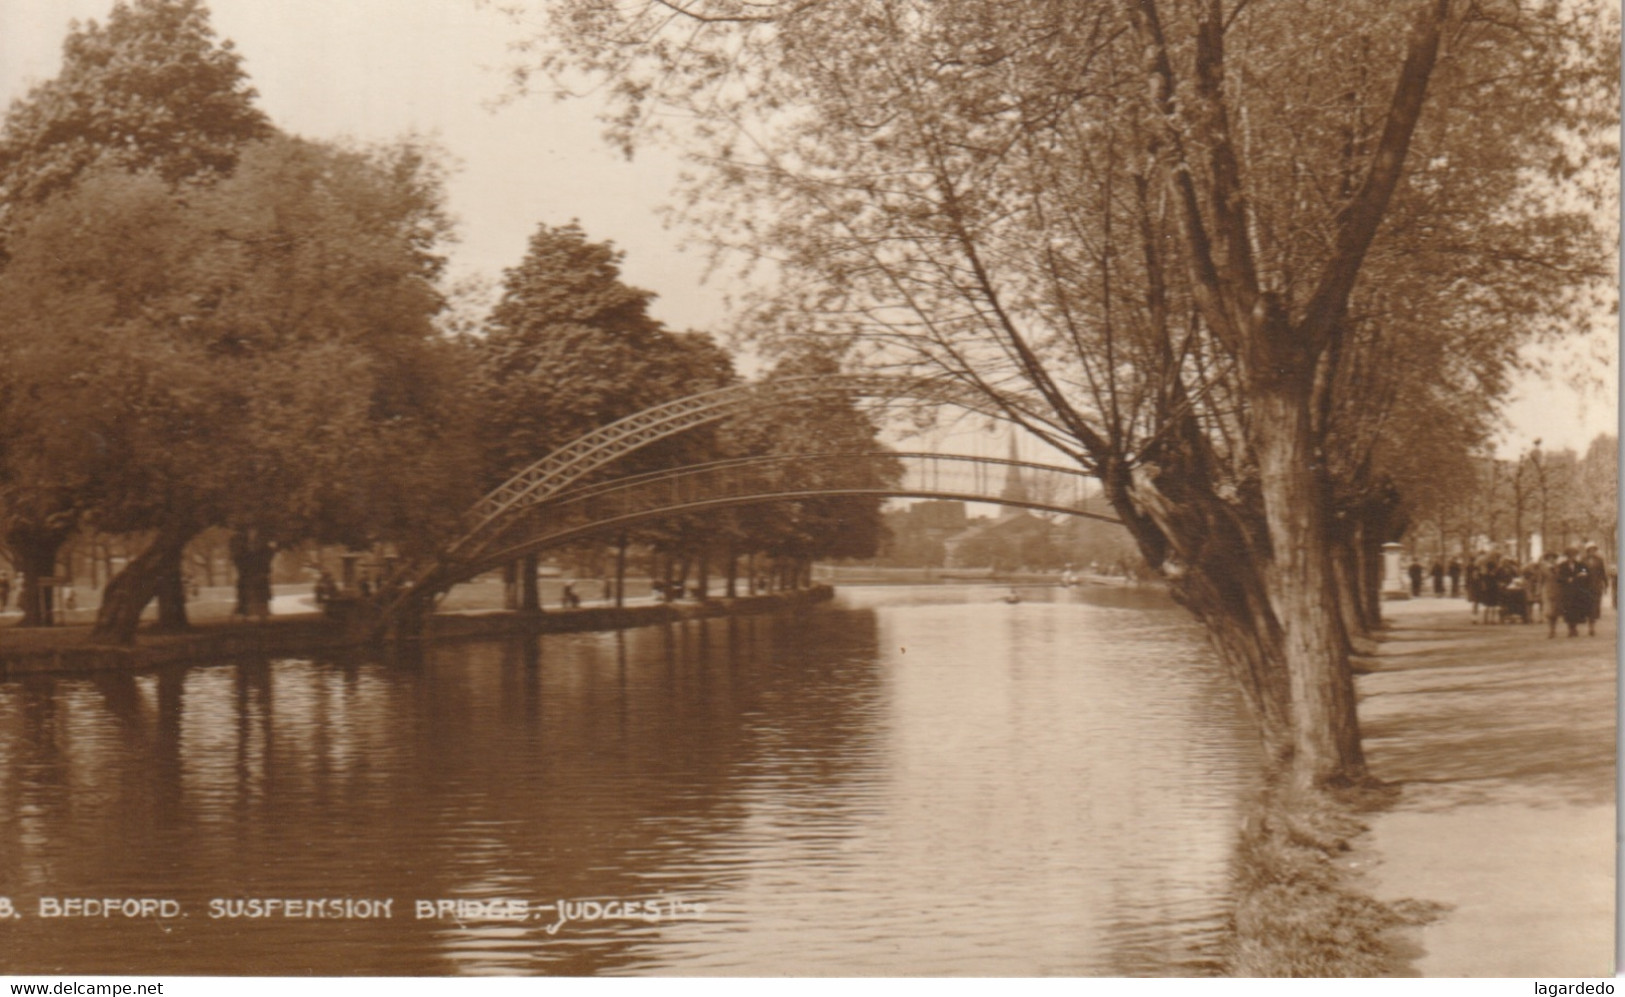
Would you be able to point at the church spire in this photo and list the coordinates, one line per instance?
(1015, 490)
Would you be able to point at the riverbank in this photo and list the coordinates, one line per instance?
(67, 648)
(1486, 849)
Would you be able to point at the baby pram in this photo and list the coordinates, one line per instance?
(1515, 602)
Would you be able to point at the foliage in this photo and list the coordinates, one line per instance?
(570, 348)
(149, 90)
(821, 527)
(258, 354)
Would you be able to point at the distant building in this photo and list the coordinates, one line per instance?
(919, 531)
(1014, 540)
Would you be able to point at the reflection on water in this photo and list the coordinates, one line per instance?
(912, 781)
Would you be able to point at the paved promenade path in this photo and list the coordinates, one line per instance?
(1503, 743)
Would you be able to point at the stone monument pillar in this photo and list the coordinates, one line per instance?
(1394, 583)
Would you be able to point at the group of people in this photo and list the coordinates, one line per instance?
(1568, 587)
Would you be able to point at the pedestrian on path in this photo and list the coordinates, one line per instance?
(1597, 577)
(1574, 591)
(1551, 594)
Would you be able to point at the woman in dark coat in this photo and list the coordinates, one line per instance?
(1574, 590)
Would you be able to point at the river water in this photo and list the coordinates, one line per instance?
(911, 780)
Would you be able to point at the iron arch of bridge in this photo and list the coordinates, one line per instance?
(624, 502)
(555, 473)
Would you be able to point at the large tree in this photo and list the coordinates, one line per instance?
(259, 355)
(151, 90)
(571, 347)
(1158, 234)
(322, 300)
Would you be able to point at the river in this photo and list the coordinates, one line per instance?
(912, 780)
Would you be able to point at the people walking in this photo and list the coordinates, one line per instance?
(1437, 571)
(1416, 579)
(1551, 593)
(1574, 591)
(1455, 577)
(1597, 585)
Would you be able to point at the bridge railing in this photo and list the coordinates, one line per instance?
(752, 480)
(568, 465)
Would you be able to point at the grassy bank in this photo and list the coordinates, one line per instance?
(1301, 909)
(67, 649)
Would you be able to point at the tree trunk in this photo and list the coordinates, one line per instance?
(703, 585)
(530, 596)
(510, 586)
(252, 556)
(128, 593)
(1325, 731)
(620, 571)
(681, 583)
(733, 573)
(171, 592)
(36, 548)
(1346, 585)
(1211, 551)
(1342, 544)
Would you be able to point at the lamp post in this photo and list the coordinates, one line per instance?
(1532, 458)
(1540, 479)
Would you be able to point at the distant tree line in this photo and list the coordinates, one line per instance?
(1561, 496)
(208, 324)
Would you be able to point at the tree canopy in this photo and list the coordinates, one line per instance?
(149, 90)
(260, 354)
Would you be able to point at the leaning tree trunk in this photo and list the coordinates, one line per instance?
(1206, 549)
(36, 546)
(128, 593)
(252, 555)
(1325, 731)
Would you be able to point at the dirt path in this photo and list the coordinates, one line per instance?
(1503, 742)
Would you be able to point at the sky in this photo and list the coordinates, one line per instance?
(375, 70)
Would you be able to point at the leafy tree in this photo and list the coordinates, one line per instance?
(799, 532)
(322, 305)
(570, 347)
(1163, 236)
(150, 90)
(260, 355)
(82, 387)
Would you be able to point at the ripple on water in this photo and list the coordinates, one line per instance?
(921, 780)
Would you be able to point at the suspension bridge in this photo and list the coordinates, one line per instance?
(562, 497)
